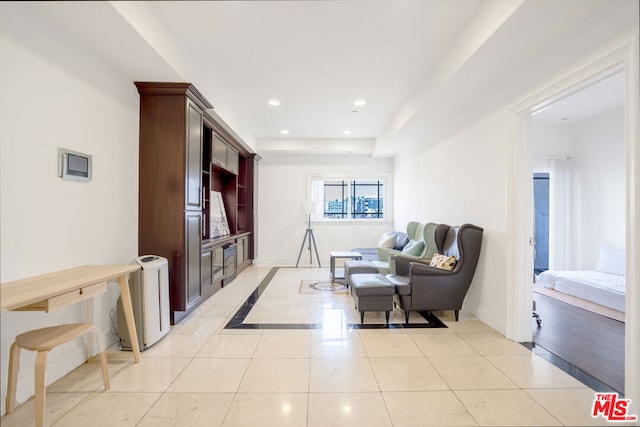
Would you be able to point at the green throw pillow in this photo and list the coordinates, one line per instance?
(413, 248)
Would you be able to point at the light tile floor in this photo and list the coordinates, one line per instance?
(202, 374)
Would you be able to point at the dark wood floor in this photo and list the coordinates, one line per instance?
(589, 341)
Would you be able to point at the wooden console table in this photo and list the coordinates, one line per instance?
(55, 290)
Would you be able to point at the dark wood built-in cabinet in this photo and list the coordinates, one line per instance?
(185, 153)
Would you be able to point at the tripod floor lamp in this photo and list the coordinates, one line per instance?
(308, 208)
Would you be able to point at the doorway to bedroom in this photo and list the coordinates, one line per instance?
(579, 181)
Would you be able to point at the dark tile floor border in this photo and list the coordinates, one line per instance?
(237, 321)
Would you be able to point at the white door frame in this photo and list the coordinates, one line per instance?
(520, 201)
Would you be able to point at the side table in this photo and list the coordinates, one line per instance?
(339, 274)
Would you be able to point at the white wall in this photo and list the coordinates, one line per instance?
(551, 141)
(600, 186)
(56, 93)
(282, 180)
(462, 179)
(597, 148)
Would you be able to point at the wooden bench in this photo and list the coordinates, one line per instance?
(42, 341)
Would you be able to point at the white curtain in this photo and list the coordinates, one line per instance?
(561, 215)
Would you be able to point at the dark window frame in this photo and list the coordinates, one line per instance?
(348, 206)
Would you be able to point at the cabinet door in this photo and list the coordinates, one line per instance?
(206, 268)
(193, 179)
(232, 160)
(193, 225)
(218, 263)
(219, 151)
(245, 254)
(240, 245)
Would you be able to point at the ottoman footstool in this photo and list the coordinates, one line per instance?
(372, 292)
(358, 267)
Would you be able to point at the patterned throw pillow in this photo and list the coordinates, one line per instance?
(442, 261)
(387, 241)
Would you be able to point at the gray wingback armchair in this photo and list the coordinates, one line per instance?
(424, 288)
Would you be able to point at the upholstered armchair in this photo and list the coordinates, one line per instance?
(426, 288)
(427, 238)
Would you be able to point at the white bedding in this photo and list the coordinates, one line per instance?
(602, 288)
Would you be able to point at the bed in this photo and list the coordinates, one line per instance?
(604, 286)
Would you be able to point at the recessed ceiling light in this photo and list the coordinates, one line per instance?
(359, 102)
(347, 132)
(284, 132)
(274, 102)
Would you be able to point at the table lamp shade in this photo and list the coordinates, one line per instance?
(308, 208)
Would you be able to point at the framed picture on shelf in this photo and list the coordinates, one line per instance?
(218, 223)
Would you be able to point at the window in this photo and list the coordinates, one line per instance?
(348, 199)
(336, 199)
